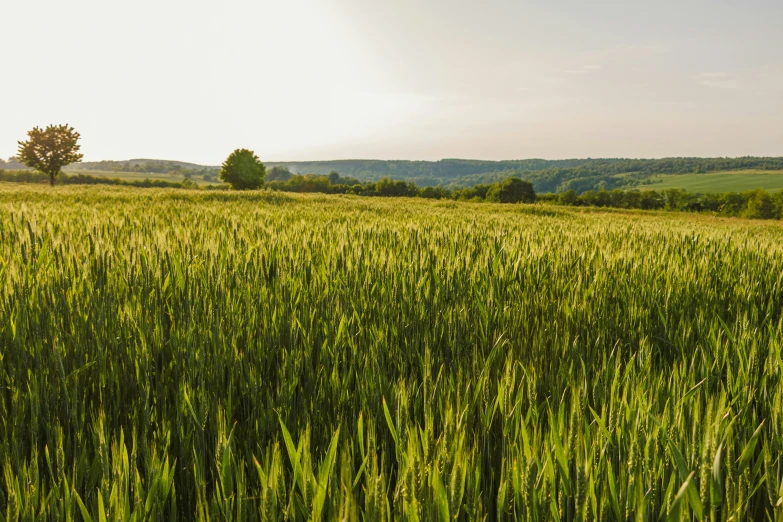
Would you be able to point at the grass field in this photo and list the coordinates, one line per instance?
(138, 176)
(716, 182)
(184, 355)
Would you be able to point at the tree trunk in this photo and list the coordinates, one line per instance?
(51, 179)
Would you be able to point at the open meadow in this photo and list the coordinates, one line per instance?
(193, 355)
(716, 182)
(138, 176)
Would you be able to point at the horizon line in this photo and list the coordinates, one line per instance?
(588, 158)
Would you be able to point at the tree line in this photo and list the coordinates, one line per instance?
(580, 175)
(48, 150)
(243, 170)
(455, 168)
(753, 204)
(172, 168)
(32, 176)
(510, 190)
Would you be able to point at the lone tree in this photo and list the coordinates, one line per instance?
(512, 190)
(49, 150)
(243, 170)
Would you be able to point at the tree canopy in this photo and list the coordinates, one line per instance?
(279, 173)
(49, 150)
(243, 170)
(512, 190)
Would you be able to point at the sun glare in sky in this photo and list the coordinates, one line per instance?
(328, 79)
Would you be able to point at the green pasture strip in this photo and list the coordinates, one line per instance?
(718, 182)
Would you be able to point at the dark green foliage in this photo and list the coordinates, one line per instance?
(512, 190)
(336, 184)
(546, 175)
(30, 176)
(243, 170)
(568, 197)
(308, 183)
(474, 193)
(434, 193)
(762, 206)
(391, 188)
(278, 173)
(755, 204)
(49, 150)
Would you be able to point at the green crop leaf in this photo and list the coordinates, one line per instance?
(393, 431)
(324, 471)
(747, 452)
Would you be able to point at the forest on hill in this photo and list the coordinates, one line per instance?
(579, 175)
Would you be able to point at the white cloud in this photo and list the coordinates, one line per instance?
(723, 84)
(719, 79)
(760, 79)
(585, 69)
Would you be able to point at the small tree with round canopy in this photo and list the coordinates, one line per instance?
(49, 150)
(243, 170)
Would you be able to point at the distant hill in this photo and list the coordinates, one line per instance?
(183, 164)
(138, 165)
(11, 164)
(143, 168)
(546, 175)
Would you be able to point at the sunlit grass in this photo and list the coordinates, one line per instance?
(719, 182)
(188, 355)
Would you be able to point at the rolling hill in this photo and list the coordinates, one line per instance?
(580, 175)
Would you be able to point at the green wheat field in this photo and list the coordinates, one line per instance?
(181, 355)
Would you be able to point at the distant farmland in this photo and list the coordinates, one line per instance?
(715, 182)
(139, 176)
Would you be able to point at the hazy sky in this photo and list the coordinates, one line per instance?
(327, 79)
